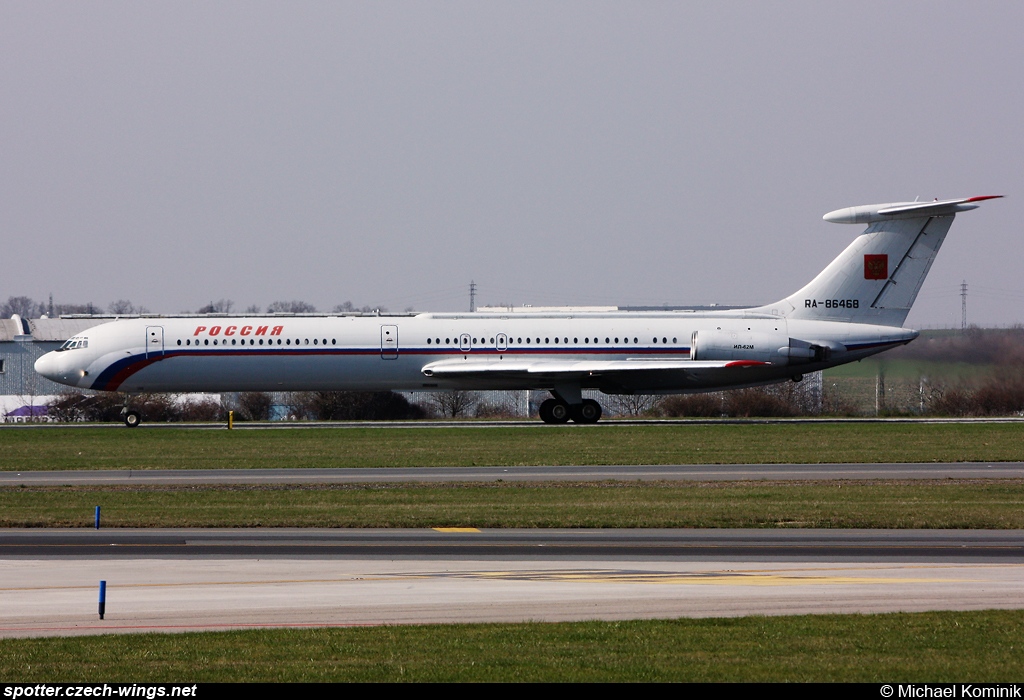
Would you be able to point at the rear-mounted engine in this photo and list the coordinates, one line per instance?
(776, 348)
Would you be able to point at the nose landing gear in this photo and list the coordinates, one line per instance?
(131, 418)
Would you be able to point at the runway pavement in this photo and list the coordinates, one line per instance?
(177, 580)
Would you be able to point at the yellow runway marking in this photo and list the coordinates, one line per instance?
(732, 578)
(455, 529)
(751, 577)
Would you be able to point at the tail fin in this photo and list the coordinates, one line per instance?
(877, 278)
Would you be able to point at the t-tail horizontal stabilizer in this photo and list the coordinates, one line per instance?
(870, 213)
(876, 279)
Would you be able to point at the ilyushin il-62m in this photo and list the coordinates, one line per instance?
(854, 308)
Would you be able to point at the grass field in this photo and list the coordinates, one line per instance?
(746, 443)
(973, 647)
(942, 504)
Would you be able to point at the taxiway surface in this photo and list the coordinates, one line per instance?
(177, 580)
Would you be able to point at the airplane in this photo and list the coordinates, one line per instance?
(853, 309)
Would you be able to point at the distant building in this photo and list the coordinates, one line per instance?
(23, 393)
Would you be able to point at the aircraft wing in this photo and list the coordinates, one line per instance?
(568, 370)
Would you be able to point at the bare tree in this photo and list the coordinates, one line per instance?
(59, 309)
(125, 306)
(23, 306)
(299, 404)
(67, 407)
(632, 404)
(291, 307)
(255, 405)
(352, 405)
(453, 404)
(693, 405)
(348, 308)
(222, 306)
(253, 309)
(195, 409)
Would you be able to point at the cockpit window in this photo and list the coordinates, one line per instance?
(74, 344)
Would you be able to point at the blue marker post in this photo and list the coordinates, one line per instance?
(103, 598)
(97, 517)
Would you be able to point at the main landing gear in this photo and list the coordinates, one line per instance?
(558, 411)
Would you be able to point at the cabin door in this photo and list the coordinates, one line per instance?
(389, 342)
(154, 341)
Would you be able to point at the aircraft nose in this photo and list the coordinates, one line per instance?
(56, 369)
(47, 366)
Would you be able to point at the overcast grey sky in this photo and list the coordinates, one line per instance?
(386, 153)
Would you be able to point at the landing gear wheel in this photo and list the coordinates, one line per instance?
(587, 412)
(132, 419)
(554, 411)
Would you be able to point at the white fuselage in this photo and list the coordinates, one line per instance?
(853, 308)
(662, 351)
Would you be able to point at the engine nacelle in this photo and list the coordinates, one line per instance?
(812, 350)
(738, 345)
(777, 348)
